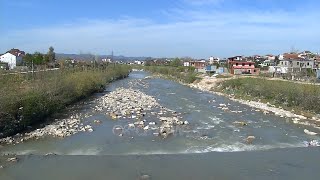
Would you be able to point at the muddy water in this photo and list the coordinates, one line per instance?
(211, 129)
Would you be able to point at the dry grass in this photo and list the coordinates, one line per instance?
(27, 99)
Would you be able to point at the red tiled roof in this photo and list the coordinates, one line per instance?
(16, 52)
(291, 56)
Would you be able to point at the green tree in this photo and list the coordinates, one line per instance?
(38, 58)
(46, 58)
(176, 62)
(28, 59)
(51, 55)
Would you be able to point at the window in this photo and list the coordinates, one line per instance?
(242, 64)
(250, 64)
(297, 63)
(237, 64)
(285, 63)
(254, 70)
(308, 64)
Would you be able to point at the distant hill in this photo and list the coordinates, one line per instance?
(90, 57)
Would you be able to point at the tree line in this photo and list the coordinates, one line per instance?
(38, 58)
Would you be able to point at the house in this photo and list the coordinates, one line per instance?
(139, 62)
(186, 64)
(106, 60)
(198, 64)
(238, 67)
(235, 58)
(293, 64)
(289, 56)
(12, 57)
(317, 62)
(270, 57)
(211, 69)
(213, 60)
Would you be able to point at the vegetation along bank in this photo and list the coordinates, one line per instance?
(28, 99)
(302, 98)
(181, 74)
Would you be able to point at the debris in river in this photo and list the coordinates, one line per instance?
(145, 177)
(309, 132)
(97, 121)
(250, 139)
(240, 123)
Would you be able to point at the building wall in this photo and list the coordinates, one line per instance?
(239, 71)
(198, 65)
(297, 64)
(318, 73)
(10, 59)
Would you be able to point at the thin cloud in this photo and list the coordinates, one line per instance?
(190, 33)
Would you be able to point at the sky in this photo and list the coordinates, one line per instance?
(163, 28)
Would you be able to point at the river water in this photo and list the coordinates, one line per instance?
(212, 147)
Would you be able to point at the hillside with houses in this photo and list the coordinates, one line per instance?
(295, 66)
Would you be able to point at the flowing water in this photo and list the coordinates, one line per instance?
(212, 143)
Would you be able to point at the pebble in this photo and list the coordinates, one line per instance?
(14, 159)
(145, 177)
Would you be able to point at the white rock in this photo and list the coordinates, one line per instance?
(309, 132)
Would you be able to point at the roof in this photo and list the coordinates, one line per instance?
(288, 56)
(243, 67)
(16, 52)
(241, 62)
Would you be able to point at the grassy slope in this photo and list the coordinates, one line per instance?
(290, 95)
(25, 100)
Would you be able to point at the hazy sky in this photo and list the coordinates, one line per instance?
(172, 28)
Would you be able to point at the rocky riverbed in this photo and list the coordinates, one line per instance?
(60, 128)
(141, 111)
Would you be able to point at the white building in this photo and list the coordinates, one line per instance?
(139, 62)
(186, 64)
(214, 60)
(106, 60)
(12, 59)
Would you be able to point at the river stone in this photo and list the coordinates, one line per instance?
(145, 177)
(14, 159)
(250, 139)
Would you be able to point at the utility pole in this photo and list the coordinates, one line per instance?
(114, 63)
(32, 66)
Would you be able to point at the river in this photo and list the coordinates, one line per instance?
(212, 147)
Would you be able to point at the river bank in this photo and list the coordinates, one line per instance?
(27, 102)
(221, 87)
